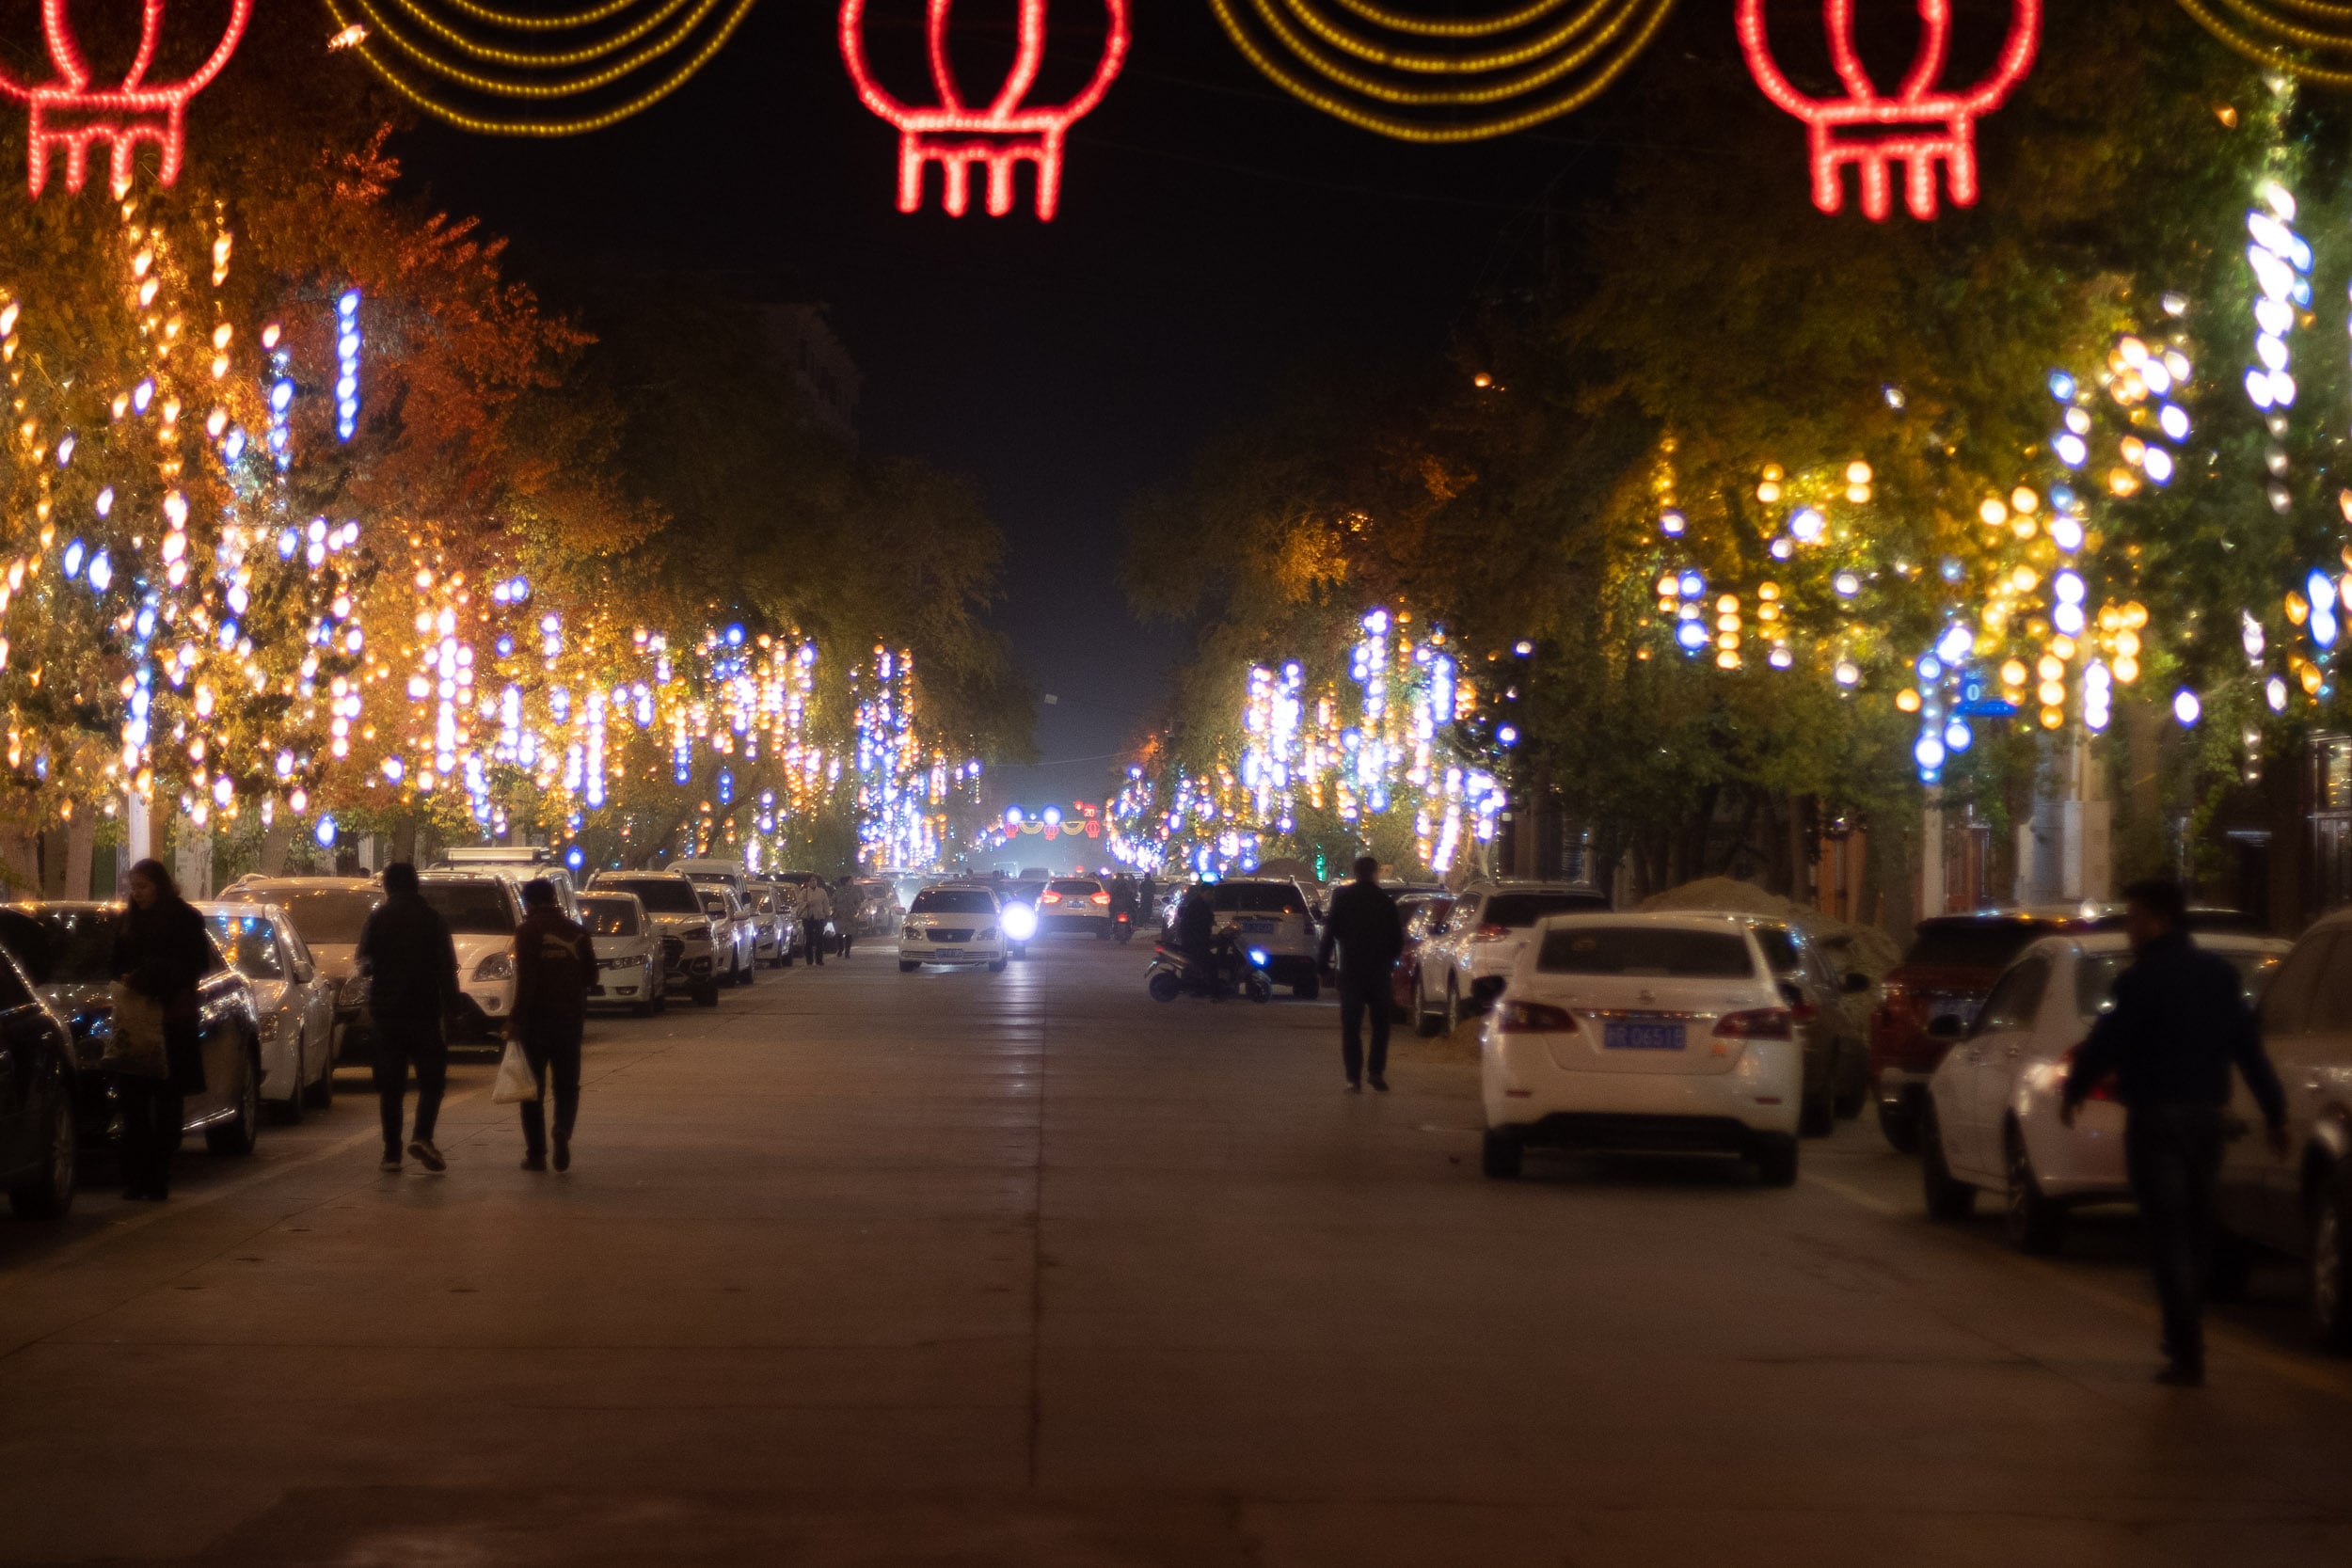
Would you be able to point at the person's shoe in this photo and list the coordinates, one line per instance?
(1354, 1087)
(390, 1165)
(2180, 1375)
(1380, 1085)
(535, 1162)
(562, 1152)
(426, 1155)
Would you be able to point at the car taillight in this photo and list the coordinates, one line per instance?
(1757, 1023)
(2103, 1089)
(1051, 899)
(1101, 897)
(1534, 1018)
(1490, 933)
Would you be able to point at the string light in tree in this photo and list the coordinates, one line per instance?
(956, 136)
(347, 365)
(70, 116)
(1921, 125)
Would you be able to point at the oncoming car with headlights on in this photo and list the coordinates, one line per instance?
(956, 923)
(481, 911)
(1642, 1033)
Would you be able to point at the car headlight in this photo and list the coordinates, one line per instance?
(988, 935)
(353, 991)
(1020, 922)
(909, 934)
(498, 966)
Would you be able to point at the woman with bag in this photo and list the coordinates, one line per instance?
(160, 954)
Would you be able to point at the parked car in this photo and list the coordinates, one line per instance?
(689, 953)
(2301, 1206)
(955, 923)
(518, 863)
(482, 910)
(1666, 1032)
(1947, 970)
(66, 948)
(1465, 961)
(294, 1002)
(1271, 912)
(1080, 904)
(879, 914)
(629, 971)
(1989, 1120)
(775, 922)
(40, 1130)
(1835, 1031)
(1421, 912)
(734, 932)
(327, 913)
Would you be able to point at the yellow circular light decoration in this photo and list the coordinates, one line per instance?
(461, 62)
(1442, 78)
(2262, 18)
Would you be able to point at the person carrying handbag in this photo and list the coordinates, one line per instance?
(555, 965)
(160, 953)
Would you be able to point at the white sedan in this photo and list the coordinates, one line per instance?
(954, 924)
(1992, 1120)
(1643, 1032)
(1465, 961)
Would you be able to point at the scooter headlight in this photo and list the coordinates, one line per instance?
(1257, 956)
(1019, 921)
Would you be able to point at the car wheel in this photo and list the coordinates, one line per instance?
(751, 973)
(1425, 1023)
(288, 1112)
(236, 1138)
(1819, 1117)
(1104, 934)
(48, 1192)
(1499, 1153)
(1165, 986)
(2331, 1263)
(644, 1008)
(997, 966)
(906, 968)
(1308, 990)
(2035, 1224)
(1900, 1126)
(1453, 1007)
(1021, 951)
(322, 1093)
(1947, 1197)
(1775, 1158)
(1853, 1096)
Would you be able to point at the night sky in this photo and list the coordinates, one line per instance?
(1216, 239)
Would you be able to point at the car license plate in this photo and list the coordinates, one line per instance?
(1257, 928)
(1618, 1036)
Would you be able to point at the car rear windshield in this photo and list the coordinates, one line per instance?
(1648, 951)
(1517, 910)
(80, 946)
(1074, 890)
(326, 917)
(251, 942)
(953, 900)
(662, 895)
(2094, 978)
(471, 909)
(1780, 949)
(608, 917)
(1257, 898)
(1971, 943)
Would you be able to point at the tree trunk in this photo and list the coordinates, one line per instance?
(405, 840)
(20, 862)
(81, 847)
(276, 840)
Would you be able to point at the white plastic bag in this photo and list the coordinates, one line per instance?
(517, 1084)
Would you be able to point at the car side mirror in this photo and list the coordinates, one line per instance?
(1949, 1026)
(1856, 983)
(303, 974)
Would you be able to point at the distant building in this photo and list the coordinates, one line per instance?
(822, 373)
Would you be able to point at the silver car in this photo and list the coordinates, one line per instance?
(629, 971)
(327, 913)
(294, 1004)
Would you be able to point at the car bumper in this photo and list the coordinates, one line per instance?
(484, 1008)
(1063, 921)
(1523, 1086)
(957, 953)
(622, 987)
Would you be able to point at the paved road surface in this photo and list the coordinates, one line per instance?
(954, 1268)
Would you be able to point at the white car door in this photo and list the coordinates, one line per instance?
(1992, 1055)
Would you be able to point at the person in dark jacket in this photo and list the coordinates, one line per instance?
(1364, 926)
(411, 966)
(1195, 925)
(2178, 1025)
(555, 965)
(161, 951)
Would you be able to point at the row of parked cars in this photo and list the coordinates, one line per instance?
(284, 999)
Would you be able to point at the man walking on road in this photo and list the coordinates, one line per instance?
(554, 967)
(1364, 926)
(2180, 1023)
(411, 967)
(815, 910)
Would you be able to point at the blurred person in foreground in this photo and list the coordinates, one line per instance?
(2180, 1023)
(411, 965)
(1364, 926)
(555, 965)
(161, 951)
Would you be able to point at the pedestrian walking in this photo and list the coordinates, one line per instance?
(555, 964)
(161, 951)
(815, 911)
(2180, 1023)
(853, 909)
(1364, 927)
(411, 964)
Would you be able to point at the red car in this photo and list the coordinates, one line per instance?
(1947, 974)
(1422, 912)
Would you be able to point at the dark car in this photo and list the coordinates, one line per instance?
(1930, 998)
(68, 953)
(40, 1125)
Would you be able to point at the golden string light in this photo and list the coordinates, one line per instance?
(1442, 78)
(461, 62)
(2261, 17)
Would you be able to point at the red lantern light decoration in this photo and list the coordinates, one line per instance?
(956, 137)
(67, 114)
(1919, 127)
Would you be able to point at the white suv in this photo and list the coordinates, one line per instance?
(1272, 917)
(1075, 904)
(1643, 1032)
(1466, 960)
(956, 923)
(481, 911)
(690, 951)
